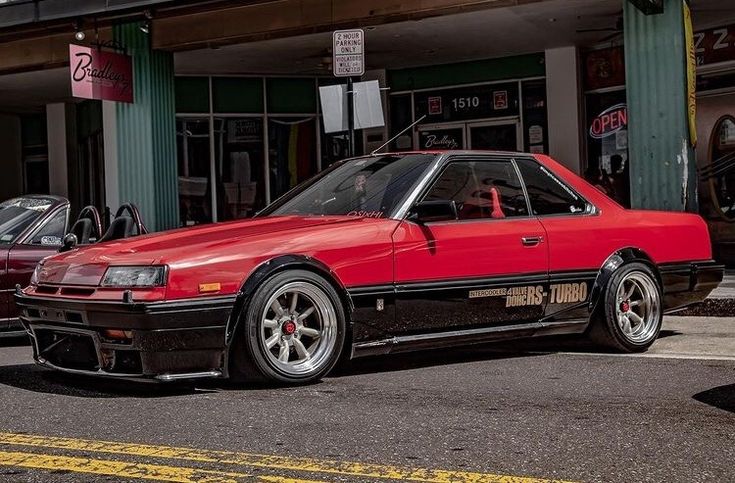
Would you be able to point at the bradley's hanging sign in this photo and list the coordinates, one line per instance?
(97, 74)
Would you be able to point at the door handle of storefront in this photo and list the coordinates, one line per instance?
(531, 241)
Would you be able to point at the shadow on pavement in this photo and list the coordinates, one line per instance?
(15, 341)
(34, 378)
(721, 397)
(30, 377)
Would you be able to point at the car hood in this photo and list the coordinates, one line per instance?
(86, 265)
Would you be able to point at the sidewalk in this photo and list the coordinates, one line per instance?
(726, 290)
(720, 303)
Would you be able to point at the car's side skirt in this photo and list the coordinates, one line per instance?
(455, 338)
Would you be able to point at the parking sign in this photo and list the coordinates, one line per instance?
(348, 53)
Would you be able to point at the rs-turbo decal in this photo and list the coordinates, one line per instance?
(559, 293)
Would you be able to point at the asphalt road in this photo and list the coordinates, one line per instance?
(515, 412)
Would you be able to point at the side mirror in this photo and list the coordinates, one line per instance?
(70, 241)
(427, 211)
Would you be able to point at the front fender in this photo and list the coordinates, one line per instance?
(613, 262)
(265, 270)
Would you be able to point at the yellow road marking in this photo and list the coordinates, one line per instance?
(125, 469)
(363, 470)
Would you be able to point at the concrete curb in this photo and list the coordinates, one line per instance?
(720, 303)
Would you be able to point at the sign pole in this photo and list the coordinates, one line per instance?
(348, 60)
(350, 117)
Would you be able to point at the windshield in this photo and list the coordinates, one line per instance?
(18, 214)
(371, 187)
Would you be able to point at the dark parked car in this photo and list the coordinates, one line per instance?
(31, 228)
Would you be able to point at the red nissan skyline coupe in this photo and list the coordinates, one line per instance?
(377, 254)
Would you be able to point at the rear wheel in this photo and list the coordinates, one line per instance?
(293, 330)
(631, 317)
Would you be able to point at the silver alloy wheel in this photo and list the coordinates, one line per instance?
(638, 307)
(299, 328)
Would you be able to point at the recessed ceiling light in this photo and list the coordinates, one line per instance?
(552, 19)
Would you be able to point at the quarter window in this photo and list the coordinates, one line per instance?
(548, 194)
(52, 232)
(481, 189)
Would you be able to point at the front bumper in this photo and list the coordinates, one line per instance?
(164, 340)
(689, 283)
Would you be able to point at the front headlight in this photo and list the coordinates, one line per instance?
(129, 277)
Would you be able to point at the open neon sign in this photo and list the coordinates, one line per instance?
(609, 121)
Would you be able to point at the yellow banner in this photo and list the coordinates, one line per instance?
(691, 74)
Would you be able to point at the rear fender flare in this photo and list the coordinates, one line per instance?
(612, 264)
(267, 269)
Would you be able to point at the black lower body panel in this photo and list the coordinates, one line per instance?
(689, 283)
(155, 341)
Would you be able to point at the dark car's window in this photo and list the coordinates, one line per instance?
(18, 214)
(370, 187)
(52, 232)
(548, 194)
(481, 189)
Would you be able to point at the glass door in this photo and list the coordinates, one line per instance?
(442, 137)
(495, 136)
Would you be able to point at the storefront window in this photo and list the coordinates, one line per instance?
(292, 152)
(535, 123)
(607, 144)
(195, 196)
(239, 167)
(721, 171)
(400, 119)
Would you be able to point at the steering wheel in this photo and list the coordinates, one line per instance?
(133, 212)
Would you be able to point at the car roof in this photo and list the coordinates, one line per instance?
(464, 152)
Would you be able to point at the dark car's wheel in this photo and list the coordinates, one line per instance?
(630, 319)
(293, 330)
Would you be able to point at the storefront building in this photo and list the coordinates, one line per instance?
(227, 117)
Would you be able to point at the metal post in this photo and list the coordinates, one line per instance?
(350, 118)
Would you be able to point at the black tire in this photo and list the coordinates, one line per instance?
(609, 328)
(250, 358)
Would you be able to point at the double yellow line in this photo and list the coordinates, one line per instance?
(282, 466)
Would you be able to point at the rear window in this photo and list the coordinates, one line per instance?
(547, 193)
(17, 214)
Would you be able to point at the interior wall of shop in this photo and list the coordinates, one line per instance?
(56, 129)
(564, 106)
(11, 182)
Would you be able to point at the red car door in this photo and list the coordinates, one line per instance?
(488, 267)
(578, 239)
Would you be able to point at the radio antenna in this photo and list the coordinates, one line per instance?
(397, 135)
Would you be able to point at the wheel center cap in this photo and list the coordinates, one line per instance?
(288, 327)
(625, 306)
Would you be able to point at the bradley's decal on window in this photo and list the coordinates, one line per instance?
(560, 293)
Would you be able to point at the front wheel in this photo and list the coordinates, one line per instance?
(631, 317)
(293, 330)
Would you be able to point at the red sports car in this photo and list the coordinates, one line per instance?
(377, 254)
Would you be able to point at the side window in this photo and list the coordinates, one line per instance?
(548, 194)
(481, 189)
(52, 232)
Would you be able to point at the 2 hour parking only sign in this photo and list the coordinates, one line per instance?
(348, 53)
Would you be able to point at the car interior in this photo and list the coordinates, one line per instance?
(127, 223)
(88, 226)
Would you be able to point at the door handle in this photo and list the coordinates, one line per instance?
(531, 241)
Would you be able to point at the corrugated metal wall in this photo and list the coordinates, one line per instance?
(146, 132)
(662, 164)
